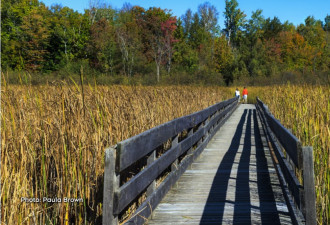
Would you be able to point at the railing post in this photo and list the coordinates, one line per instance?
(207, 132)
(309, 185)
(190, 132)
(175, 164)
(111, 184)
(152, 186)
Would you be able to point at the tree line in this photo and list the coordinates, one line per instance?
(152, 46)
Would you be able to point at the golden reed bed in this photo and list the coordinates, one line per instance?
(53, 139)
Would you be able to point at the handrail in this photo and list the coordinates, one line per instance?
(187, 137)
(289, 157)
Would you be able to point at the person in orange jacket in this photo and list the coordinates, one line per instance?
(245, 94)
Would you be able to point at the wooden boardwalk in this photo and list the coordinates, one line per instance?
(232, 182)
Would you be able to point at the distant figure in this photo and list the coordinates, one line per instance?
(237, 94)
(245, 94)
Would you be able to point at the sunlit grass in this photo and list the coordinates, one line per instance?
(53, 144)
(306, 111)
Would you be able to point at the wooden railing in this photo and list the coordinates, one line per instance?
(146, 166)
(291, 161)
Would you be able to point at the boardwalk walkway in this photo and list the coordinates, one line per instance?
(232, 182)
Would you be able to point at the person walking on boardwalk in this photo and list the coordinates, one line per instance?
(237, 94)
(245, 94)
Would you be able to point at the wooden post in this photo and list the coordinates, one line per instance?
(175, 164)
(309, 185)
(152, 186)
(207, 132)
(111, 184)
(191, 132)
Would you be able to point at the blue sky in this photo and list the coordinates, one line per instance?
(295, 11)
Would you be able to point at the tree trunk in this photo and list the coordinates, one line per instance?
(169, 63)
(157, 72)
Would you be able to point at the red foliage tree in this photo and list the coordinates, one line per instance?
(168, 27)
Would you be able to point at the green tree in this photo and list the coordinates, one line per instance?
(315, 36)
(187, 22)
(195, 37)
(69, 34)
(272, 27)
(154, 38)
(35, 36)
(184, 55)
(128, 39)
(224, 57)
(102, 45)
(326, 26)
(208, 17)
(11, 19)
(254, 26)
(234, 21)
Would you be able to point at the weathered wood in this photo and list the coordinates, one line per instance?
(127, 152)
(189, 202)
(152, 186)
(290, 177)
(296, 215)
(292, 181)
(139, 182)
(309, 186)
(110, 185)
(303, 160)
(174, 165)
(215, 119)
(134, 148)
(287, 139)
(147, 207)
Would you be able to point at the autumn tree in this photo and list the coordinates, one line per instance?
(128, 38)
(155, 41)
(35, 35)
(224, 57)
(102, 45)
(12, 13)
(315, 36)
(168, 27)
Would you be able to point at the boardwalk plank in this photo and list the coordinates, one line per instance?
(233, 181)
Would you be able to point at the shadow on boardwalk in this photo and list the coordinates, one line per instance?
(240, 213)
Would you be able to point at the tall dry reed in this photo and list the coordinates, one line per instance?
(306, 111)
(53, 142)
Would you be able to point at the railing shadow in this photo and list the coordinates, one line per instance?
(268, 209)
(242, 208)
(213, 212)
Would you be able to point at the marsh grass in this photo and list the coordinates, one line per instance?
(305, 110)
(54, 137)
